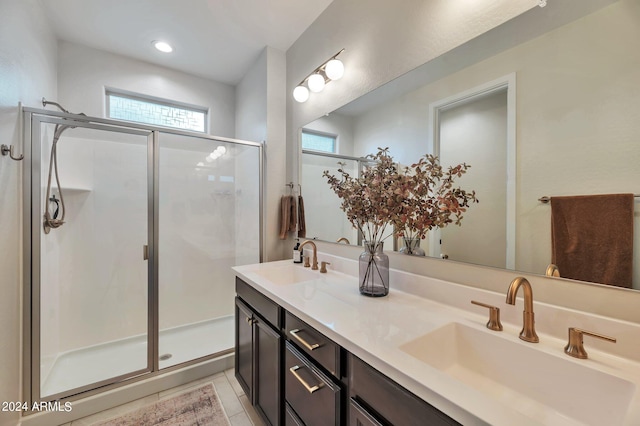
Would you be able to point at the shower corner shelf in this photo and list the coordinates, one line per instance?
(74, 189)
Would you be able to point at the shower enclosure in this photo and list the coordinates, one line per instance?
(138, 278)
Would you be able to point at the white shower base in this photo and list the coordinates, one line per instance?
(97, 363)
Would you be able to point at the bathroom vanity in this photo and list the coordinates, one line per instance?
(310, 350)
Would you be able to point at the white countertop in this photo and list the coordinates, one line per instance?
(375, 329)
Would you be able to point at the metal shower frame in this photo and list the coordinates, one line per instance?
(32, 224)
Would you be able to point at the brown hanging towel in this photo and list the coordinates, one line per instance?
(293, 214)
(302, 225)
(592, 238)
(285, 215)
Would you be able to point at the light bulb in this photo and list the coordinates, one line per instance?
(334, 69)
(301, 94)
(209, 158)
(316, 83)
(163, 46)
(221, 149)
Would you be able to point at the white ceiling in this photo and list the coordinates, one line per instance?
(216, 39)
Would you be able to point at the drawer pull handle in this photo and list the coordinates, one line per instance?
(295, 332)
(310, 389)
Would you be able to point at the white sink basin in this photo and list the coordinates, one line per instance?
(550, 389)
(284, 275)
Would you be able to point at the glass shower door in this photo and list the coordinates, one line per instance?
(91, 295)
(209, 221)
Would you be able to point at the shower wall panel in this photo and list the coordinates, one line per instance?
(196, 245)
(247, 205)
(94, 276)
(208, 223)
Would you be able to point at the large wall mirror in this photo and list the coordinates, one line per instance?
(545, 105)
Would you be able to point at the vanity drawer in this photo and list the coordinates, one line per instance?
(291, 418)
(318, 347)
(311, 394)
(391, 402)
(264, 306)
(359, 416)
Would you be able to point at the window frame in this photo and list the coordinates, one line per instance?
(109, 91)
(334, 136)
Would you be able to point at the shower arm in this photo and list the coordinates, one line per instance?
(60, 107)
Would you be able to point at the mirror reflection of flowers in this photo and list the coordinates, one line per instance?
(430, 199)
(413, 199)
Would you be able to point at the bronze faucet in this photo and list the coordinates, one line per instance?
(528, 333)
(314, 265)
(343, 240)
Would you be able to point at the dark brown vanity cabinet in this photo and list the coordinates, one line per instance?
(258, 355)
(296, 376)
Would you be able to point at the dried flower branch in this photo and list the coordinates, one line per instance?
(412, 200)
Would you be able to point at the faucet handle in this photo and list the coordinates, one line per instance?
(494, 316)
(323, 267)
(306, 261)
(575, 347)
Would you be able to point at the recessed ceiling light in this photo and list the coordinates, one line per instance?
(162, 46)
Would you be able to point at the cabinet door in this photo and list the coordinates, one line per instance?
(267, 391)
(244, 348)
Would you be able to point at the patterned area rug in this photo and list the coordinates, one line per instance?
(198, 407)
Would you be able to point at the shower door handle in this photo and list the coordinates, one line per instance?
(145, 252)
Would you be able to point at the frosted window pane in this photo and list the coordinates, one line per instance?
(318, 142)
(142, 111)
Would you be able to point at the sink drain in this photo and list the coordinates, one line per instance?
(165, 357)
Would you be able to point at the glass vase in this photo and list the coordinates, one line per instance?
(412, 246)
(374, 270)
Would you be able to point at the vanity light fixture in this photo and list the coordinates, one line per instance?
(331, 69)
(217, 153)
(162, 46)
(542, 3)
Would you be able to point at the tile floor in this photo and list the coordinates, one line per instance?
(235, 402)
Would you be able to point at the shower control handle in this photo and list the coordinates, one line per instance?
(145, 252)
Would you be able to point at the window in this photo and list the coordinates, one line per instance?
(141, 109)
(317, 141)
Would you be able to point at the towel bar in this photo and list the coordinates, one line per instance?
(545, 199)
